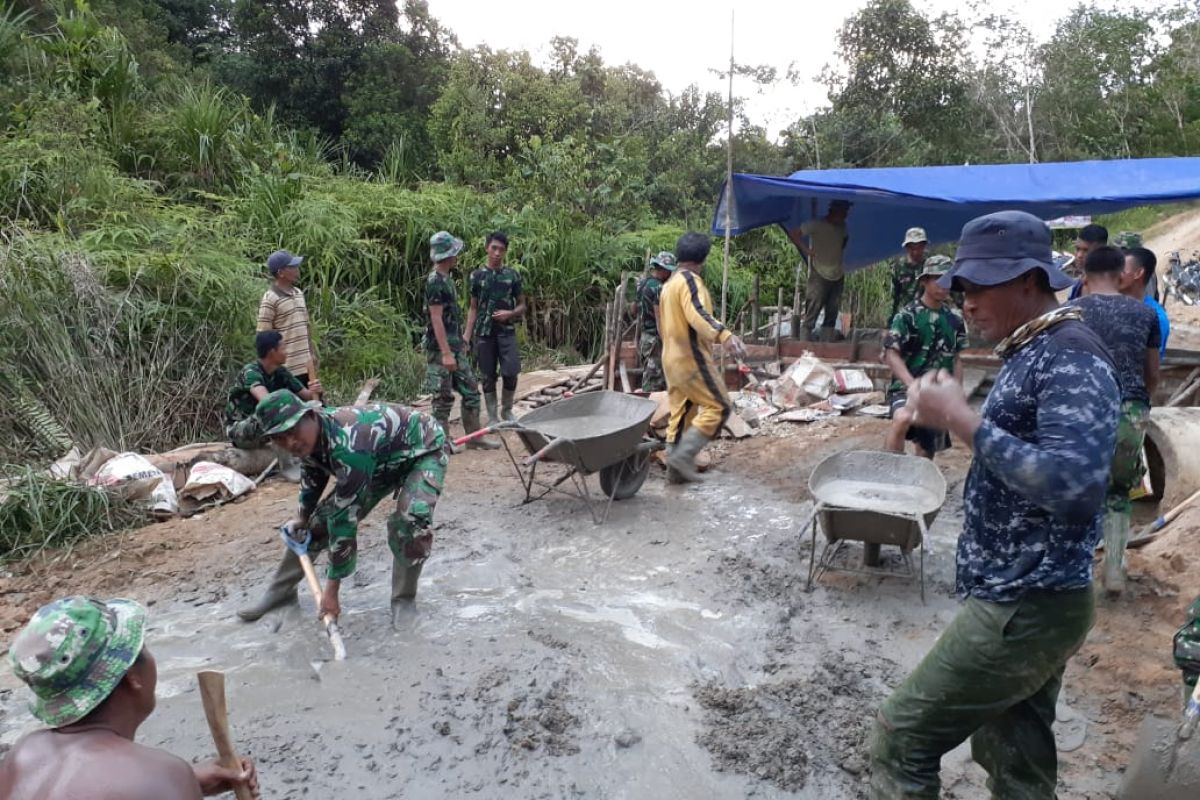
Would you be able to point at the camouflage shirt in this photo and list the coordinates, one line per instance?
(241, 404)
(905, 283)
(1034, 497)
(494, 290)
(362, 449)
(649, 291)
(927, 339)
(440, 291)
(1129, 328)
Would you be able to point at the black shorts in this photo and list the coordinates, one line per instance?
(930, 440)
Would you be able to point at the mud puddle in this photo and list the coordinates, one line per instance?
(671, 653)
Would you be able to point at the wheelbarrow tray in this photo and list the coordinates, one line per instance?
(876, 498)
(599, 428)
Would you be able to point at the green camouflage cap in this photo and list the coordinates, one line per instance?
(1127, 240)
(936, 266)
(279, 411)
(73, 654)
(664, 260)
(442, 246)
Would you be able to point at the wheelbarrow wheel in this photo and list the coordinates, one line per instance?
(623, 479)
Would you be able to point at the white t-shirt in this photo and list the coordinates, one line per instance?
(828, 241)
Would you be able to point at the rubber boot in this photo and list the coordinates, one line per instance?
(489, 400)
(404, 588)
(281, 591)
(506, 403)
(673, 475)
(470, 419)
(455, 449)
(683, 455)
(1116, 537)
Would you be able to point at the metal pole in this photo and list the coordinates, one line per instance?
(728, 181)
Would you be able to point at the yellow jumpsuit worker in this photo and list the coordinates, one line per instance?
(695, 386)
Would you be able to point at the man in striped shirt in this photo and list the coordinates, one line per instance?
(282, 309)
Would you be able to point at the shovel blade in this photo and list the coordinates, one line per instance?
(1164, 767)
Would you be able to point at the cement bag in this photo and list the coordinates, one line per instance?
(789, 391)
(852, 381)
(209, 482)
(135, 478)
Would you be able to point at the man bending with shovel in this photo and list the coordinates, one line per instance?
(370, 452)
(1032, 509)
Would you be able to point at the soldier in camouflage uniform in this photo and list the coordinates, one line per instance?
(497, 302)
(370, 452)
(650, 347)
(906, 270)
(1032, 503)
(255, 381)
(93, 681)
(925, 336)
(448, 369)
(1187, 649)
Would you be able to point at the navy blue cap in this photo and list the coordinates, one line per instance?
(997, 248)
(281, 259)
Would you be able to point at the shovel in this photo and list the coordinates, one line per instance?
(1166, 761)
(300, 548)
(212, 695)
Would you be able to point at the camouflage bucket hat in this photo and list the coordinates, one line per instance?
(442, 246)
(279, 411)
(664, 260)
(936, 266)
(74, 652)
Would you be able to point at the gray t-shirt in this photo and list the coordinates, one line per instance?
(1128, 328)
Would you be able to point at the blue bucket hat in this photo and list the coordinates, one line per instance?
(281, 260)
(997, 248)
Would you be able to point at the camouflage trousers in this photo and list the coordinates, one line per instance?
(1187, 649)
(1127, 467)
(416, 485)
(442, 384)
(650, 350)
(993, 677)
(246, 434)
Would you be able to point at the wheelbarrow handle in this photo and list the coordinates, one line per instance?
(479, 434)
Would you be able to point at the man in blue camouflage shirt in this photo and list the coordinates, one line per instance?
(1032, 508)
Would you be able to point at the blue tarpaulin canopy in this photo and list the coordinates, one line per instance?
(888, 201)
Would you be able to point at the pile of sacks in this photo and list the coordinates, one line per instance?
(808, 390)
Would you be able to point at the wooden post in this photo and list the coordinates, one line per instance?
(796, 298)
(779, 327)
(754, 310)
(728, 182)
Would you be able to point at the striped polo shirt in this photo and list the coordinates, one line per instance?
(284, 311)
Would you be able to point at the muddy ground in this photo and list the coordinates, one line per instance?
(671, 653)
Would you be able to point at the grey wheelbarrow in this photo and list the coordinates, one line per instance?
(597, 432)
(875, 498)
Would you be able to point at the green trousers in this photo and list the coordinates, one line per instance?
(993, 677)
(442, 384)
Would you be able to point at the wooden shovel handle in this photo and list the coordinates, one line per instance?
(212, 695)
(331, 626)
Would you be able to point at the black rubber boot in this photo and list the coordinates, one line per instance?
(282, 590)
(507, 396)
(404, 588)
(672, 475)
(683, 455)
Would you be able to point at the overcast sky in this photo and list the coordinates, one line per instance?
(681, 40)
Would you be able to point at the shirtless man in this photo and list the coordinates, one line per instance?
(93, 682)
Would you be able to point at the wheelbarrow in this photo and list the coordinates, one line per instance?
(875, 498)
(597, 432)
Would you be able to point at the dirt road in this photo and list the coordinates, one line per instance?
(671, 653)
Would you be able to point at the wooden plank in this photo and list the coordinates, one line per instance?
(626, 387)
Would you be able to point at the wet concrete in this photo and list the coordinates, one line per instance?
(670, 653)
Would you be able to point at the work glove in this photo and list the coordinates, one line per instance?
(734, 347)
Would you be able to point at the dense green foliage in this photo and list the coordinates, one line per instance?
(152, 154)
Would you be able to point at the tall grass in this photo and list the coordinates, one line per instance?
(38, 513)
